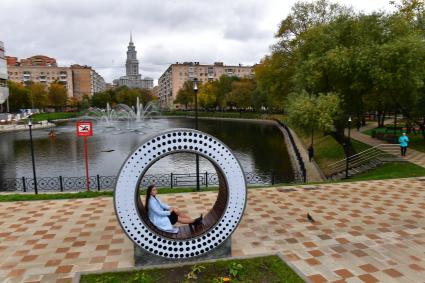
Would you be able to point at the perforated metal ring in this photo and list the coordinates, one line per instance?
(154, 148)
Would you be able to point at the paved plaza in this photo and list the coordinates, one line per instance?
(364, 232)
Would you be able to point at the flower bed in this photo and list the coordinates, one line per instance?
(259, 269)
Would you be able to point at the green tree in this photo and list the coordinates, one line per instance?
(18, 96)
(304, 16)
(57, 95)
(207, 95)
(38, 96)
(273, 76)
(127, 96)
(100, 99)
(309, 113)
(241, 94)
(223, 87)
(84, 103)
(145, 96)
(302, 112)
(185, 95)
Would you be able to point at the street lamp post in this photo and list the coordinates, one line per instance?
(195, 89)
(347, 152)
(32, 155)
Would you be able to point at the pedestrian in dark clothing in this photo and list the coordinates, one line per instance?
(310, 152)
(358, 125)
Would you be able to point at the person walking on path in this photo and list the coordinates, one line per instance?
(310, 152)
(404, 143)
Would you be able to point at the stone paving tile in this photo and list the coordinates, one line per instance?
(364, 232)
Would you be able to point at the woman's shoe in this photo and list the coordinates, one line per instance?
(198, 221)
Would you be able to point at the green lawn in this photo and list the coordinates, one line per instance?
(260, 269)
(391, 171)
(92, 194)
(51, 196)
(327, 150)
(55, 115)
(218, 114)
(417, 142)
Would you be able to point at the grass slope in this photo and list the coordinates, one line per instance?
(391, 171)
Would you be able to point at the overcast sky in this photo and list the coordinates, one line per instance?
(96, 32)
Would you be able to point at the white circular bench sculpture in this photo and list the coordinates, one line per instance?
(220, 222)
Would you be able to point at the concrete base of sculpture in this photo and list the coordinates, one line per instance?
(144, 258)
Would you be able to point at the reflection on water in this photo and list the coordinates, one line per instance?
(259, 147)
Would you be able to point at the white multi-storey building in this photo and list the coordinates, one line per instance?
(4, 90)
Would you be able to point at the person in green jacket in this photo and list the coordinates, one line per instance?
(404, 143)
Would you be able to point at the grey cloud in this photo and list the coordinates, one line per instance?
(96, 32)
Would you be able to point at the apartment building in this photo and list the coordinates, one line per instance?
(78, 80)
(39, 60)
(155, 91)
(177, 74)
(86, 81)
(42, 74)
(4, 90)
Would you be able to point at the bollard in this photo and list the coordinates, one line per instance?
(61, 183)
(206, 179)
(171, 180)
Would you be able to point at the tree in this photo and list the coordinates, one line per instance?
(207, 95)
(18, 96)
(185, 95)
(100, 99)
(38, 95)
(302, 112)
(308, 112)
(304, 16)
(413, 11)
(241, 93)
(223, 87)
(57, 95)
(273, 76)
(84, 103)
(145, 96)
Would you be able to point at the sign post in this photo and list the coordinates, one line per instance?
(85, 129)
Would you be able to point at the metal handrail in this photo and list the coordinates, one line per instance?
(361, 160)
(363, 152)
(363, 157)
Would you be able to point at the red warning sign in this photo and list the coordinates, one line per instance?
(84, 129)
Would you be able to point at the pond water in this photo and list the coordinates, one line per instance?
(259, 147)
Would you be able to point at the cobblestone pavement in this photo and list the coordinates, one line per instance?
(363, 232)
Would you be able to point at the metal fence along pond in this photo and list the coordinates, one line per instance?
(107, 183)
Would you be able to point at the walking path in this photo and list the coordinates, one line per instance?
(24, 127)
(370, 231)
(312, 169)
(412, 156)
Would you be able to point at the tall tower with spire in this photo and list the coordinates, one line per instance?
(132, 64)
(132, 77)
